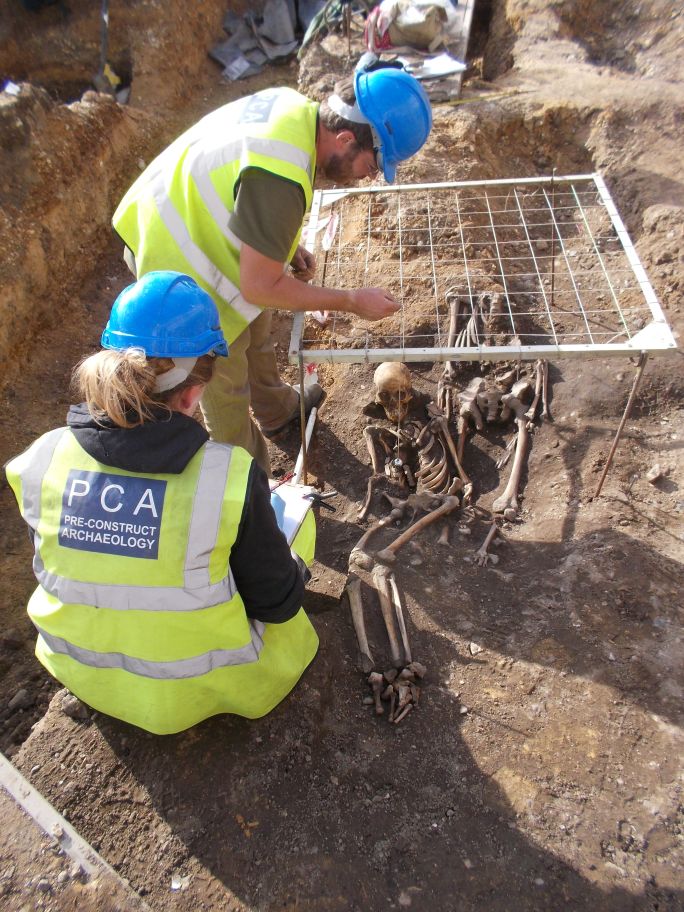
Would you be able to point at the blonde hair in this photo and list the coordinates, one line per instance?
(119, 384)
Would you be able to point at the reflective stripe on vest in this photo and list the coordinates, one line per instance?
(177, 670)
(201, 162)
(200, 262)
(175, 215)
(198, 592)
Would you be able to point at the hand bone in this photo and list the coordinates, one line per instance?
(376, 681)
(398, 688)
(482, 555)
(402, 715)
(510, 446)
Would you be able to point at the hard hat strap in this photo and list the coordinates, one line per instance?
(351, 113)
(171, 378)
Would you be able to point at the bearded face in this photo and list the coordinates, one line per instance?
(350, 166)
(339, 168)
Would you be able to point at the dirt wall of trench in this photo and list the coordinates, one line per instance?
(67, 153)
(622, 36)
(69, 164)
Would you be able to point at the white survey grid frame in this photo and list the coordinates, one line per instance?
(652, 336)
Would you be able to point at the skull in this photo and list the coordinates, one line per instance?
(393, 389)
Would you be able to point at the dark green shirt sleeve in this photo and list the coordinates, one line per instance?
(269, 211)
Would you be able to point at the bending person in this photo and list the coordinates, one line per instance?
(167, 593)
(225, 203)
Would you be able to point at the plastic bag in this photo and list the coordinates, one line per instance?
(422, 24)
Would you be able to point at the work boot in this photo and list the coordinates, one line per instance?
(314, 394)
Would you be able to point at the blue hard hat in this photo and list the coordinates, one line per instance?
(398, 110)
(167, 315)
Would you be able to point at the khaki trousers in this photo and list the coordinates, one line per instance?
(249, 376)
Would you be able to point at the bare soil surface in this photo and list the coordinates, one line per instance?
(541, 769)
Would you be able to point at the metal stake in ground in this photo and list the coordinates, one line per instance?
(643, 358)
(302, 417)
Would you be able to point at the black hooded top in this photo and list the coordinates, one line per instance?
(270, 581)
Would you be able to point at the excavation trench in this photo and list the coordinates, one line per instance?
(541, 759)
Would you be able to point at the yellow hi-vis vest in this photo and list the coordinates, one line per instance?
(175, 216)
(136, 609)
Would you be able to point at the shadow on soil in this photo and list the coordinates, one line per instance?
(322, 805)
(298, 813)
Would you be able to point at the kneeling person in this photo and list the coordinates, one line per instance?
(167, 593)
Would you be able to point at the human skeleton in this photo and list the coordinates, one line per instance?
(422, 457)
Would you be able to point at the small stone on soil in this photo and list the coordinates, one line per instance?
(21, 700)
(73, 707)
(654, 473)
